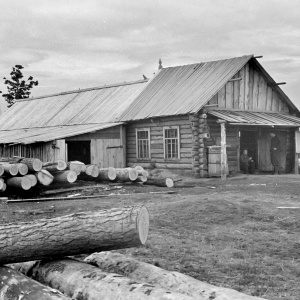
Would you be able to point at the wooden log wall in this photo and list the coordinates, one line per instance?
(232, 141)
(157, 143)
(44, 151)
(250, 93)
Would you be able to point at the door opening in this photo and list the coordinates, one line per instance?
(79, 150)
(248, 140)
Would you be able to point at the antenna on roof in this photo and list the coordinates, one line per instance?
(160, 64)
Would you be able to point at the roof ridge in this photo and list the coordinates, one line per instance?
(85, 90)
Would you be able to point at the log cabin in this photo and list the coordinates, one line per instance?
(197, 118)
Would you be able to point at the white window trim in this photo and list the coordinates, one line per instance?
(136, 142)
(178, 137)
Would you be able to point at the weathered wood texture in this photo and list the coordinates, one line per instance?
(175, 281)
(80, 280)
(15, 286)
(232, 141)
(252, 92)
(42, 151)
(74, 234)
(157, 143)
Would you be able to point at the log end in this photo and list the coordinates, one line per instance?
(25, 183)
(1, 170)
(143, 224)
(133, 174)
(111, 174)
(37, 165)
(169, 182)
(61, 165)
(23, 169)
(13, 170)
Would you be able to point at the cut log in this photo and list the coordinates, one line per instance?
(1, 170)
(74, 234)
(92, 170)
(65, 176)
(1, 183)
(3, 188)
(163, 182)
(32, 178)
(107, 174)
(127, 174)
(58, 165)
(10, 169)
(76, 166)
(79, 281)
(33, 164)
(141, 171)
(177, 282)
(44, 177)
(141, 179)
(15, 286)
(23, 183)
(22, 169)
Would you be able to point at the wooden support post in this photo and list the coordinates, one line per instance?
(297, 150)
(223, 150)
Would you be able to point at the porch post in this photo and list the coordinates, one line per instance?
(297, 150)
(223, 150)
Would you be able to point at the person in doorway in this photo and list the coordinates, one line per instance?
(275, 153)
(247, 163)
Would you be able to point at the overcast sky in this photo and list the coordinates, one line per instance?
(68, 45)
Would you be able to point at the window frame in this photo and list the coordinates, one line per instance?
(137, 145)
(178, 143)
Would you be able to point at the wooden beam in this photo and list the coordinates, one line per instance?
(259, 56)
(276, 83)
(223, 150)
(235, 79)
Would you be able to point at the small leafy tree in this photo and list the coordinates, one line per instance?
(17, 88)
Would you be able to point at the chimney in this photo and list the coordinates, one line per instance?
(160, 64)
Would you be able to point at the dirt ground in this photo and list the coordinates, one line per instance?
(229, 233)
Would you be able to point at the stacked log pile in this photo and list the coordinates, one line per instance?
(22, 174)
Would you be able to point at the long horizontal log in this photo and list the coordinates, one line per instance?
(79, 281)
(177, 282)
(65, 176)
(163, 182)
(15, 286)
(127, 174)
(107, 174)
(10, 169)
(23, 183)
(33, 164)
(76, 166)
(58, 165)
(74, 234)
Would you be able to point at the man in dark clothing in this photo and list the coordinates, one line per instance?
(275, 153)
(247, 163)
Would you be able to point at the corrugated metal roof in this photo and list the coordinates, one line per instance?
(256, 118)
(96, 105)
(183, 89)
(45, 134)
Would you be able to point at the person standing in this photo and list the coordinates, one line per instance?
(247, 163)
(275, 153)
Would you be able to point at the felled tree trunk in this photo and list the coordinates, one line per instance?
(10, 169)
(65, 176)
(23, 183)
(126, 174)
(22, 169)
(76, 166)
(58, 165)
(33, 164)
(175, 281)
(32, 178)
(74, 234)
(15, 286)
(163, 182)
(44, 177)
(92, 170)
(79, 280)
(107, 174)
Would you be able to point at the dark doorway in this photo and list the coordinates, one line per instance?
(248, 140)
(79, 150)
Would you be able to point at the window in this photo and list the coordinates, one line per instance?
(171, 142)
(143, 143)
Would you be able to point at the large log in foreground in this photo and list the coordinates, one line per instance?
(74, 234)
(79, 281)
(178, 282)
(163, 182)
(65, 176)
(15, 286)
(23, 183)
(33, 164)
(107, 174)
(44, 177)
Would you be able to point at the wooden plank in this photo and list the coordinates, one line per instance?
(262, 93)
(236, 92)
(242, 89)
(221, 97)
(275, 102)
(269, 99)
(229, 95)
(247, 86)
(255, 89)
(251, 79)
